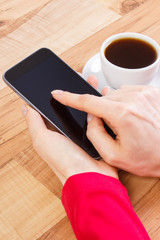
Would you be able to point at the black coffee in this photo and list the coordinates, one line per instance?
(130, 53)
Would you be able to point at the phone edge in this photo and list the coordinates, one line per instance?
(35, 108)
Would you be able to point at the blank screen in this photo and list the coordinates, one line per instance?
(36, 86)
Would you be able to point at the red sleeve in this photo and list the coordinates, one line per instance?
(99, 208)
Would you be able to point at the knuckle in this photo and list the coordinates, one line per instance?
(146, 91)
(128, 111)
(119, 108)
(126, 115)
(95, 124)
(125, 110)
(111, 158)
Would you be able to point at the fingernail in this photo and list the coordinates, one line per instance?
(24, 110)
(89, 117)
(56, 92)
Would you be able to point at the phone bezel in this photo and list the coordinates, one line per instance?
(29, 65)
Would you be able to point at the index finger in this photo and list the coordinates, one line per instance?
(98, 106)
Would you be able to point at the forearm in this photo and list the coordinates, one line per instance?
(99, 208)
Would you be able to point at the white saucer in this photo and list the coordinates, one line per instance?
(93, 67)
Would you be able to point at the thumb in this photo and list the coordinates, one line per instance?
(107, 147)
(34, 121)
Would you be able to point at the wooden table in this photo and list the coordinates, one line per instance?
(30, 206)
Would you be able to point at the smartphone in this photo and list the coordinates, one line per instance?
(36, 76)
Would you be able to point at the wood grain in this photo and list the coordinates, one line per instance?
(58, 25)
(62, 230)
(15, 13)
(123, 6)
(30, 206)
(34, 208)
(148, 210)
(39, 169)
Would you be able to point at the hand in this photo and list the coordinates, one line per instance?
(133, 113)
(62, 155)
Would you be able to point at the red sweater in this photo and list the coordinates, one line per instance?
(99, 208)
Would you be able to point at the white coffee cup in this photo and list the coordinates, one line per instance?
(117, 76)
